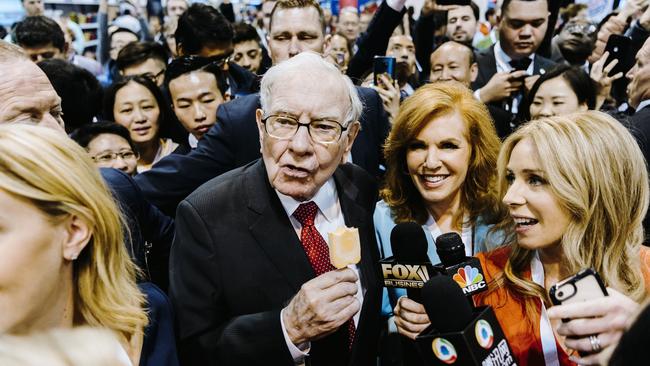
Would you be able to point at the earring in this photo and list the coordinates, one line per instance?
(74, 257)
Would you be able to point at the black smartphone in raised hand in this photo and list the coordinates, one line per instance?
(619, 47)
(383, 65)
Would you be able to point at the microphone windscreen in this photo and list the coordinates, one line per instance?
(446, 305)
(450, 249)
(409, 242)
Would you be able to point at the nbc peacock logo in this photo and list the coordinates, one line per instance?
(467, 276)
(444, 350)
(484, 334)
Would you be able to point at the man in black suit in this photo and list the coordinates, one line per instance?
(455, 61)
(503, 67)
(251, 279)
(638, 91)
(203, 31)
(296, 26)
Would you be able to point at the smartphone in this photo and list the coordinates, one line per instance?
(619, 48)
(454, 2)
(383, 65)
(582, 286)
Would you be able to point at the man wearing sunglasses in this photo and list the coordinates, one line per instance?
(203, 31)
(574, 43)
(295, 26)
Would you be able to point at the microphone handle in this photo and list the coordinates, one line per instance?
(414, 294)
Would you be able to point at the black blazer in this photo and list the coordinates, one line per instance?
(237, 261)
(234, 141)
(145, 224)
(487, 66)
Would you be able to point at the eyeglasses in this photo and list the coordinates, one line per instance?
(111, 156)
(587, 29)
(283, 127)
(153, 77)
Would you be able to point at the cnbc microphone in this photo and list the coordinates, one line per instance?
(409, 267)
(459, 334)
(465, 271)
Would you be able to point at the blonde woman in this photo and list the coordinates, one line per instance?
(80, 346)
(577, 191)
(63, 262)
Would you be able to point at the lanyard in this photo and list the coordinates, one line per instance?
(549, 346)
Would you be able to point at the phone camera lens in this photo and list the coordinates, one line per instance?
(560, 294)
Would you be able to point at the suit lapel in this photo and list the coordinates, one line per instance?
(355, 216)
(271, 228)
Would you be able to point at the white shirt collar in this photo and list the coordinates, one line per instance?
(326, 199)
(643, 104)
(503, 60)
(193, 141)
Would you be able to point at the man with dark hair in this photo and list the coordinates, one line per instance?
(503, 67)
(248, 53)
(575, 42)
(196, 87)
(33, 7)
(143, 58)
(462, 22)
(41, 37)
(295, 26)
(80, 92)
(202, 30)
(174, 8)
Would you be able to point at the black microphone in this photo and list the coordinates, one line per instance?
(458, 334)
(466, 271)
(450, 249)
(409, 266)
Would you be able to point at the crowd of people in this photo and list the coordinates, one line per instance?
(162, 204)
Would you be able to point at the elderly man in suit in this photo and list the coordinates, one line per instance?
(503, 67)
(251, 279)
(296, 26)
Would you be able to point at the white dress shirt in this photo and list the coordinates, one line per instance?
(328, 219)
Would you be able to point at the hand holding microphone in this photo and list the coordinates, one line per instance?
(410, 317)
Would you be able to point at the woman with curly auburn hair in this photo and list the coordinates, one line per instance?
(63, 261)
(441, 167)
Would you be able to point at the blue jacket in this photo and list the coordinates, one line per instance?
(384, 225)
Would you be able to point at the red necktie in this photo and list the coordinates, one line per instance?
(316, 248)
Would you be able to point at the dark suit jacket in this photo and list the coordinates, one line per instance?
(159, 343)
(374, 41)
(146, 224)
(237, 261)
(487, 66)
(639, 126)
(234, 141)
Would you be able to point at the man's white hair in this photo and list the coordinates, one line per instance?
(313, 65)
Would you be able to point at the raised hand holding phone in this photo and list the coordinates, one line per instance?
(594, 317)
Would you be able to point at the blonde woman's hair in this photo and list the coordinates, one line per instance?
(80, 346)
(597, 172)
(478, 191)
(55, 174)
